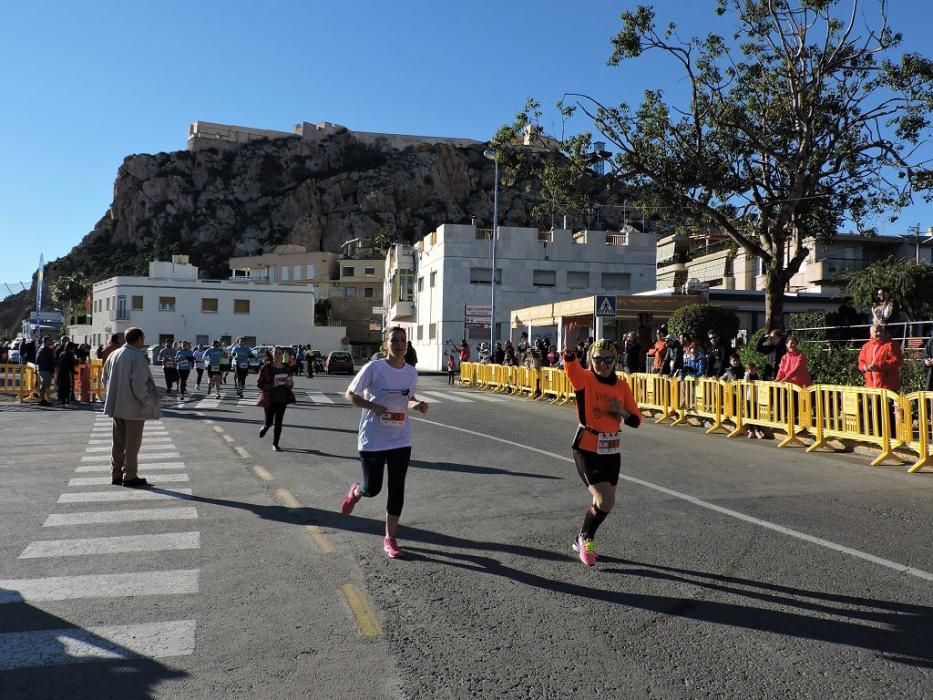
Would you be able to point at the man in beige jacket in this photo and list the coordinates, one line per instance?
(131, 400)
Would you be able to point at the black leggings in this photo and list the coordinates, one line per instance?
(183, 380)
(200, 371)
(373, 464)
(276, 413)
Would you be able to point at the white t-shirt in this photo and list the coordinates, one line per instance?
(381, 383)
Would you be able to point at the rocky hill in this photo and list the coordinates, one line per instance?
(216, 203)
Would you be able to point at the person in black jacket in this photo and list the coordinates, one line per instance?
(772, 346)
(631, 354)
(717, 358)
(64, 372)
(45, 364)
(411, 357)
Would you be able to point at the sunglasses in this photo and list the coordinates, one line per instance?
(604, 360)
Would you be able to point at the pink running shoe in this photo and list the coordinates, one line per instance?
(350, 500)
(391, 548)
(587, 550)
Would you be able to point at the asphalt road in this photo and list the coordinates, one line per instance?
(729, 568)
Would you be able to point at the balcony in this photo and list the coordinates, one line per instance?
(616, 239)
(119, 315)
(401, 311)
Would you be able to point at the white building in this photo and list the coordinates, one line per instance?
(440, 288)
(173, 304)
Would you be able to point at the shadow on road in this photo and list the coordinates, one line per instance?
(473, 469)
(37, 659)
(900, 631)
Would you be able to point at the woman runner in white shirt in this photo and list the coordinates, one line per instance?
(385, 390)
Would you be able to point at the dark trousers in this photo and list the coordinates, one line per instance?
(374, 466)
(241, 375)
(450, 376)
(171, 377)
(64, 387)
(275, 414)
(200, 372)
(183, 380)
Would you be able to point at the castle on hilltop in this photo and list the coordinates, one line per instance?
(211, 135)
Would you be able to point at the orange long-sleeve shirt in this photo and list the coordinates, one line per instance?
(594, 395)
(888, 358)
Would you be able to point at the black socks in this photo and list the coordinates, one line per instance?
(594, 518)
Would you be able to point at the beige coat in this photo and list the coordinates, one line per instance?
(131, 390)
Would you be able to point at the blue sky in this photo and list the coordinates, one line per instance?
(86, 84)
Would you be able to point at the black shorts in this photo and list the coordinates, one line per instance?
(597, 469)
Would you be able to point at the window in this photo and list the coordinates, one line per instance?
(369, 292)
(285, 273)
(432, 331)
(578, 279)
(369, 271)
(616, 280)
(241, 306)
(434, 279)
(137, 303)
(309, 272)
(296, 272)
(208, 306)
(420, 332)
(201, 340)
(108, 303)
(271, 269)
(166, 303)
(543, 278)
(421, 284)
(350, 292)
(482, 275)
(347, 271)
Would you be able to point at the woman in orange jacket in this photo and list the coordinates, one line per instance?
(793, 367)
(880, 360)
(604, 400)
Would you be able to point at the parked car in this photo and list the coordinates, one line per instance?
(377, 356)
(339, 361)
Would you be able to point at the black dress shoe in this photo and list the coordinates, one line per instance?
(137, 483)
(263, 431)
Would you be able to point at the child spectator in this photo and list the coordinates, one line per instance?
(734, 370)
(451, 368)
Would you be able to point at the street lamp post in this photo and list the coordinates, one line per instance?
(493, 156)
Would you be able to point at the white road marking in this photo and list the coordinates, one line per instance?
(486, 397)
(319, 397)
(902, 568)
(104, 480)
(154, 466)
(179, 582)
(146, 440)
(142, 457)
(426, 399)
(145, 447)
(120, 516)
(443, 396)
(121, 494)
(112, 545)
(71, 645)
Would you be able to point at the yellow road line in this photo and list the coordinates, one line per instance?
(362, 613)
(242, 452)
(228, 439)
(287, 499)
(320, 539)
(262, 473)
(217, 429)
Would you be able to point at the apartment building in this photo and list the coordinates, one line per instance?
(440, 287)
(172, 303)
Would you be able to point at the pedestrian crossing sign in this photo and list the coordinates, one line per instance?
(606, 306)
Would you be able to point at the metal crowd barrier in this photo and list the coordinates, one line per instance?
(918, 427)
(873, 416)
(856, 413)
(17, 380)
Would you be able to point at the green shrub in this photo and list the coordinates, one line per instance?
(749, 355)
(699, 319)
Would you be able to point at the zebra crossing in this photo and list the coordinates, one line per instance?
(99, 525)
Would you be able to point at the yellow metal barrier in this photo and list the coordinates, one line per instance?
(772, 405)
(551, 379)
(918, 407)
(704, 398)
(467, 373)
(653, 392)
(855, 413)
(17, 380)
(528, 382)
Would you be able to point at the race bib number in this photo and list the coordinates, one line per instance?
(169, 363)
(393, 419)
(183, 365)
(215, 368)
(243, 365)
(609, 443)
(280, 380)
